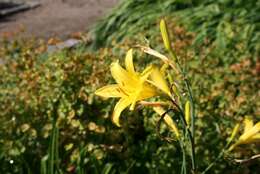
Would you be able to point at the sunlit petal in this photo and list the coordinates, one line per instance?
(249, 134)
(248, 123)
(110, 91)
(120, 106)
(120, 74)
(256, 137)
(163, 69)
(146, 73)
(147, 92)
(159, 81)
(134, 99)
(129, 62)
(125, 80)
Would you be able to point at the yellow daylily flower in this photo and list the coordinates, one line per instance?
(131, 86)
(251, 133)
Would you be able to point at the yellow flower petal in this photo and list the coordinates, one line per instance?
(119, 73)
(251, 133)
(146, 73)
(110, 91)
(159, 81)
(248, 123)
(129, 62)
(120, 106)
(168, 120)
(134, 99)
(122, 77)
(254, 139)
(257, 136)
(147, 92)
(245, 138)
(163, 69)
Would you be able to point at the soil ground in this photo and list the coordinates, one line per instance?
(56, 18)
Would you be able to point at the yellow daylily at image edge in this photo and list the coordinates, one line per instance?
(251, 133)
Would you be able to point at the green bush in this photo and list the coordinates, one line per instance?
(31, 84)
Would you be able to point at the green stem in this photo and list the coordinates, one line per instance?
(190, 137)
(185, 130)
(176, 60)
(192, 133)
(220, 155)
(26, 165)
(52, 148)
(173, 55)
(214, 162)
(183, 167)
(192, 107)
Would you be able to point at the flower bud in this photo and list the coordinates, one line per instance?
(187, 112)
(165, 35)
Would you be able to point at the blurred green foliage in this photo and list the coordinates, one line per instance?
(221, 56)
(224, 22)
(31, 83)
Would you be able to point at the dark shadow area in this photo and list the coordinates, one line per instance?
(6, 5)
(10, 8)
